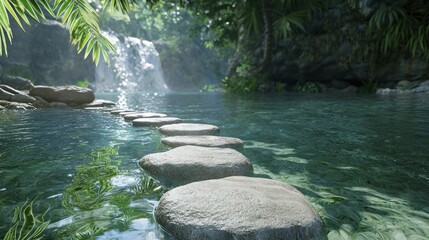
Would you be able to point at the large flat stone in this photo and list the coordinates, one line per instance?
(126, 113)
(130, 117)
(188, 164)
(117, 111)
(238, 208)
(155, 121)
(189, 129)
(204, 141)
(65, 94)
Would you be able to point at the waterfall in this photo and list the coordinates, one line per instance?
(135, 67)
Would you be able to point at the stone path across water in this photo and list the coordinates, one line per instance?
(189, 129)
(216, 203)
(204, 141)
(188, 164)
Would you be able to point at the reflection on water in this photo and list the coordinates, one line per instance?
(362, 161)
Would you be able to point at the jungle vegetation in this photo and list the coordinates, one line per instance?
(395, 27)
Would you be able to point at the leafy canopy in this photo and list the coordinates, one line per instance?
(79, 16)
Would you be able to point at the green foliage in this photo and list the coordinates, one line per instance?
(78, 15)
(147, 186)
(239, 84)
(83, 83)
(26, 225)
(91, 182)
(401, 24)
(209, 88)
(306, 87)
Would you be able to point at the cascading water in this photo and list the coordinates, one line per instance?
(135, 67)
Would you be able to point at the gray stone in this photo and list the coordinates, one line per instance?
(189, 129)
(16, 82)
(204, 141)
(130, 117)
(126, 113)
(44, 54)
(238, 208)
(407, 85)
(58, 105)
(4, 95)
(65, 94)
(2, 108)
(19, 106)
(23, 98)
(40, 103)
(4, 103)
(188, 164)
(117, 111)
(156, 121)
(99, 103)
(350, 89)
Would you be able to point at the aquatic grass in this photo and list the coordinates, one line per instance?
(147, 186)
(26, 225)
(91, 182)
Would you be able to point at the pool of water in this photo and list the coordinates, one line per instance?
(362, 161)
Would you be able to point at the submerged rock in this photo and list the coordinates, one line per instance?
(65, 94)
(204, 141)
(141, 122)
(130, 117)
(238, 208)
(188, 164)
(189, 129)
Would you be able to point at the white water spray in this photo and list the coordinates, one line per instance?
(135, 67)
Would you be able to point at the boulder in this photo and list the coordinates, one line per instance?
(204, 141)
(188, 164)
(16, 82)
(189, 129)
(65, 94)
(19, 106)
(40, 103)
(10, 94)
(141, 122)
(130, 117)
(238, 208)
(5, 95)
(22, 98)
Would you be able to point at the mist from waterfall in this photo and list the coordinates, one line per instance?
(135, 67)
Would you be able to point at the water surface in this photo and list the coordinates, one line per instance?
(362, 161)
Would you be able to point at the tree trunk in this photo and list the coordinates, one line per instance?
(268, 37)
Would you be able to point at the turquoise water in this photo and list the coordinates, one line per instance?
(363, 161)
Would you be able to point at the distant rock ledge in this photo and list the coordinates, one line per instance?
(40, 96)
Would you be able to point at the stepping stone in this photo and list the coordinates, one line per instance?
(238, 208)
(130, 117)
(117, 111)
(189, 129)
(204, 141)
(125, 113)
(155, 121)
(188, 164)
